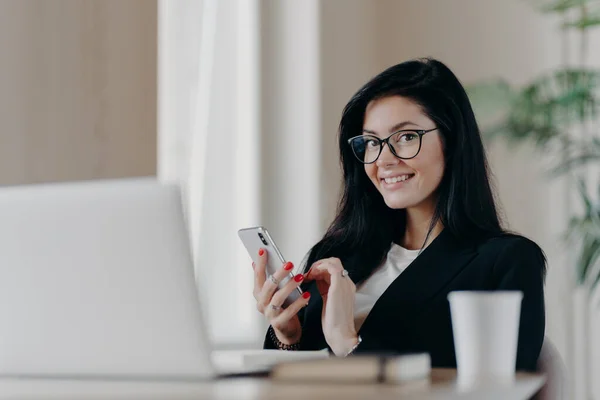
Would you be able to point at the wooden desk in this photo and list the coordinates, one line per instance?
(441, 386)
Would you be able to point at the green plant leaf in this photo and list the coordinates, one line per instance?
(595, 283)
(547, 108)
(583, 23)
(585, 230)
(588, 258)
(576, 162)
(587, 202)
(579, 154)
(559, 6)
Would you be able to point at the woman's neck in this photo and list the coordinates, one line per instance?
(418, 222)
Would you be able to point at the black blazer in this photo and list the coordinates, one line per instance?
(413, 314)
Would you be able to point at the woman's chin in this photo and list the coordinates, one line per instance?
(397, 203)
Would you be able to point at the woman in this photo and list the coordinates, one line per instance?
(416, 221)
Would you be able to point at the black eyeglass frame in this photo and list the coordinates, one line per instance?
(419, 132)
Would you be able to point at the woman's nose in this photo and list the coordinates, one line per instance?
(386, 157)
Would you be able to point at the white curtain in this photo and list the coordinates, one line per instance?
(239, 128)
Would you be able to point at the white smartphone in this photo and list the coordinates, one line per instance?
(257, 238)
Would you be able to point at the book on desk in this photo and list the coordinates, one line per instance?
(320, 366)
(356, 369)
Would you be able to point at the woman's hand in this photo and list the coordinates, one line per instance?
(269, 300)
(338, 292)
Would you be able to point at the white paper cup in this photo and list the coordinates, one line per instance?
(485, 326)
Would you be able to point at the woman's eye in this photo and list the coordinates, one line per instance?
(407, 137)
(372, 143)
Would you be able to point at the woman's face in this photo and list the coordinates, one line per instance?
(404, 183)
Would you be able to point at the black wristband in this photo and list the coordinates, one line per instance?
(279, 345)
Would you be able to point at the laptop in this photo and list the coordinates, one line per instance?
(96, 281)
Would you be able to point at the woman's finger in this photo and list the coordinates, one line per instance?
(289, 312)
(324, 269)
(313, 266)
(259, 272)
(271, 283)
(279, 296)
(319, 264)
(315, 275)
(334, 274)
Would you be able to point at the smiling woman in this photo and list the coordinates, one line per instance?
(417, 220)
(407, 172)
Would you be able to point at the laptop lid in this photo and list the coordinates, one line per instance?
(96, 280)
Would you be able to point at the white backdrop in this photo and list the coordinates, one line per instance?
(238, 126)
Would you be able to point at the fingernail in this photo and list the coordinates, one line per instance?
(253, 266)
(299, 278)
(288, 266)
(261, 252)
(306, 295)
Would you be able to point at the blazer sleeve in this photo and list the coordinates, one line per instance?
(268, 344)
(521, 265)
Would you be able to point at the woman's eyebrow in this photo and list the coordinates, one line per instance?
(394, 128)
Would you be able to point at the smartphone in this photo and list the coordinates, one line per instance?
(258, 237)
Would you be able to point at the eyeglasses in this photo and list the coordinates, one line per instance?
(404, 144)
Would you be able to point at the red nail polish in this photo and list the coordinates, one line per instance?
(306, 295)
(288, 266)
(299, 278)
(261, 252)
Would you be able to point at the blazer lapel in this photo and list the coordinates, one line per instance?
(405, 299)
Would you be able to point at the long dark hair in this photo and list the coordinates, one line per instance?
(365, 227)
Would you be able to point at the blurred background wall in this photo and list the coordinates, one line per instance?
(77, 89)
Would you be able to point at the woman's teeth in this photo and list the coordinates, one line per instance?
(396, 179)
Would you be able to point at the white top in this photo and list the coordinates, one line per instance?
(397, 259)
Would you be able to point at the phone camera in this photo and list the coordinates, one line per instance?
(262, 239)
